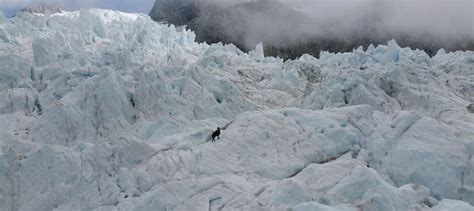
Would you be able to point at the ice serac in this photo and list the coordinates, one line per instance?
(103, 110)
(442, 159)
(258, 53)
(447, 204)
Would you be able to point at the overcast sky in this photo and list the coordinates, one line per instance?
(141, 6)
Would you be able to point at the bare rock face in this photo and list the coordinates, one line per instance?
(178, 12)
(43, 9)
(245, 24)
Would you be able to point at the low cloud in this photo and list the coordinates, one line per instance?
(429, 24)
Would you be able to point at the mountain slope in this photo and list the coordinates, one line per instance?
(290, 33)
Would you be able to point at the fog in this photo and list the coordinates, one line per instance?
(446, 19)
(334, 25)
(426, 23)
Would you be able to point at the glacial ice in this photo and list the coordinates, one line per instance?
(104, 110)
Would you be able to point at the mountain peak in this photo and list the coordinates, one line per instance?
(43, 8)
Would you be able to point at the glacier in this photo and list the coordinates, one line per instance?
(104, 110)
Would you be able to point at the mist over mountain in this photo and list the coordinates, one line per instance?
(290, 29)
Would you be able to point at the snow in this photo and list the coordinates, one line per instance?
(447, 204)
(104, 110)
